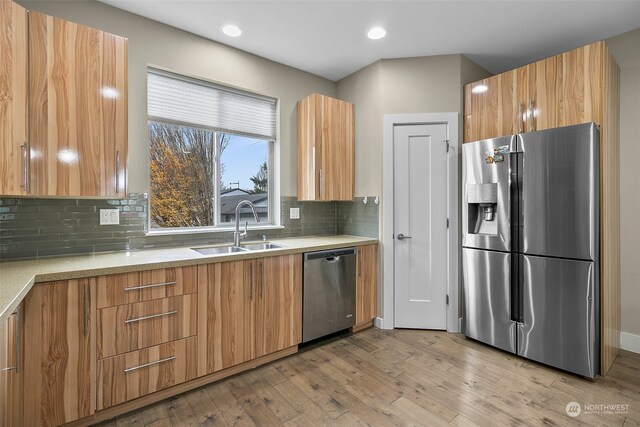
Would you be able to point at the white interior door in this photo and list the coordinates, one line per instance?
(420, 226)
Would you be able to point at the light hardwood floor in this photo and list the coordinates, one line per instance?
(400, 377)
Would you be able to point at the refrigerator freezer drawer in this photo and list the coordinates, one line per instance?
(560, 318)
(487, 318)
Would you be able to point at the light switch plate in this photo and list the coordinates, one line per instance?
(294, 213)
(109, 217)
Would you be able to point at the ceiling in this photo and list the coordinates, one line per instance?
(328, 38)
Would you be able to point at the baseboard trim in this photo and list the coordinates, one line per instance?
(630, 342)
(378, 322)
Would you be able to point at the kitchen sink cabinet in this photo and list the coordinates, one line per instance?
(578, 86)
(278, 311)
(366, 285)
(77, 109)
(326, 144)
(59, 334)
(225, 315)
(248, 309)
(12, 372)
(13, 99)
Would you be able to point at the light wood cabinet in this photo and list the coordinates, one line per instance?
(77, 109)
(225, 315)
(130, 327)
(366, 284)
(279, 304)
(13, 99)
(326, 147)
(12, 372)
(139, 373)
(248, 309)
(575, 87)
(60, 359)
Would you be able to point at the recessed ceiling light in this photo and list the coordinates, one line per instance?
(231, 30)
(479, 89)
(376, 33)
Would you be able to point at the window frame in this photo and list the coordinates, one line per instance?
(273, 164)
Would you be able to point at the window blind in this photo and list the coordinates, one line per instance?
(188, 101)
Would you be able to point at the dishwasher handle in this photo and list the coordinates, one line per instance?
(332, 259)
(332, 255)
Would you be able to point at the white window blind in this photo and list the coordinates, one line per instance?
(179, 100)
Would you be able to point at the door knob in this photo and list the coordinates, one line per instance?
(402, 237)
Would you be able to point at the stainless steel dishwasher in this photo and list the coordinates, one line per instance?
(329, 292)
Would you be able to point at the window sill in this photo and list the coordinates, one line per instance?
(203, 230)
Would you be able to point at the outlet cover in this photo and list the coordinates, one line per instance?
(109, 217)
(294, 213)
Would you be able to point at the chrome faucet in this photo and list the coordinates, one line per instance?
(236, 234)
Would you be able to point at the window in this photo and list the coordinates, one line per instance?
(210, 147)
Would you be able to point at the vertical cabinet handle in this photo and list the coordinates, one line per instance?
(530, 115)
(85, 315)
(117, 171)
(359, 266)
(25, 167)
(251, 280)
(534, 120)
(261, 278)
(17, 343)
(521, 117)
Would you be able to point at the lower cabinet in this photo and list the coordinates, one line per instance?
(366, 284)
(60, 357)
(11, 370)
(248, 309)
(138, 373)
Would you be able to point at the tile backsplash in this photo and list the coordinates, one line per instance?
(33, 228)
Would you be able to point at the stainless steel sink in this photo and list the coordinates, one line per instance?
(262, 246)
(215, 250)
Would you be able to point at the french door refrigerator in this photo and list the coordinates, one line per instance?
(531, 245)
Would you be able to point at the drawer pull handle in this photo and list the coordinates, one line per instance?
(146, 365)
(155, 285)
(153, 316)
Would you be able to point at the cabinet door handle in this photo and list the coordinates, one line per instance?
(154, 285)
(146, 365)
(359, 266)
(251, 280)
(532, 109)
(16, 341)
(25, 167)
(153, 316)
(321, 184)
(85, 317)
(117, 171)
(261, 278)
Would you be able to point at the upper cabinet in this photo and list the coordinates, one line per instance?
(325, 149)
(68, 137)
(562, 90)
(13, 99)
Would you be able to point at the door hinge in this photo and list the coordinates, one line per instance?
(447, 299)
(446, 141)
(447, 222)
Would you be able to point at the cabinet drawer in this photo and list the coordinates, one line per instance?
(134, 326)
(138, 373)
(126, 288)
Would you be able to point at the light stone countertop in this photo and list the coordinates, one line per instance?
(18, 277)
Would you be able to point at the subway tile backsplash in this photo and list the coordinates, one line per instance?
(33, 228)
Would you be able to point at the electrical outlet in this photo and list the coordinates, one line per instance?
(294, 213)
(109, 217)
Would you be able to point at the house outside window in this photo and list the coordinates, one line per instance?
(210, 147)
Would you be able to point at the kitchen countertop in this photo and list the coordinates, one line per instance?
(18, 277)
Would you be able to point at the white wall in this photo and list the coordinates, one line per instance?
(153, 43)
(626, 49)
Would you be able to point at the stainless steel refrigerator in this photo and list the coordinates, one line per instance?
(531, 245)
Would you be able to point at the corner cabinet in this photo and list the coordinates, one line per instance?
(579, 86)
(326, 147)
(12, 372)
(63, 107)
(59, 332)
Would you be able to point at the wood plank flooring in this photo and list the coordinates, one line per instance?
(401, 377)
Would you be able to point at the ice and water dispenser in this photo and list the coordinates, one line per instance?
(482, 203)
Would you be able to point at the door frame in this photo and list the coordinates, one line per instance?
(453, 195)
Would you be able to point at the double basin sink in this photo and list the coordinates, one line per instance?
(230, 249)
